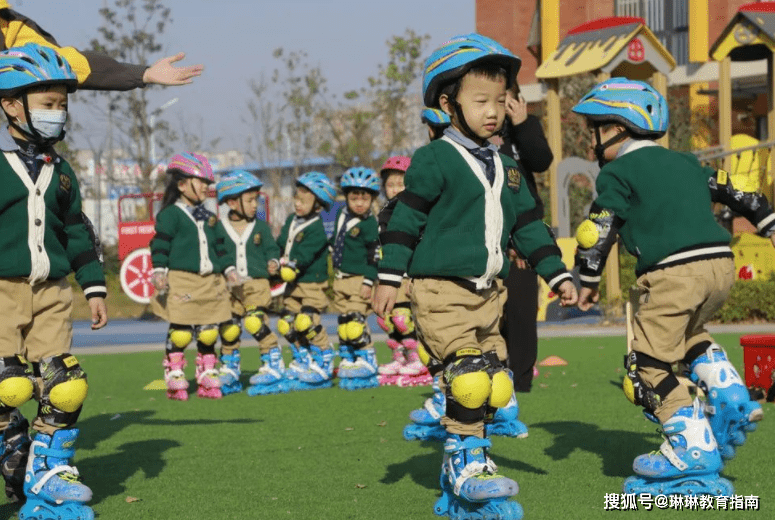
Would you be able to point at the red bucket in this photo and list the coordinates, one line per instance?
(759, 359)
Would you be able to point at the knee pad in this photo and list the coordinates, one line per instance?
(353, 329)
(179, 337)
(256, 323)
(285, 326)
(230, 331)
(434, 365)
(304, 323)
(637, 391)
(502, 389)
(64, 390)
(16, 383)
(403, 315)
(207, 335)
(468, 385)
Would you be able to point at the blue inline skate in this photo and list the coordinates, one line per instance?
(687, 463)
(13, 461)
(230, 373)
(51, 484)
(319, 372)
(271, 377)
(470, 485)
(362, 373)
(731, 412)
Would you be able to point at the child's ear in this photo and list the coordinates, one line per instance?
(446, 104)
(10, 106)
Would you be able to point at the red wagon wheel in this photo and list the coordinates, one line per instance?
(135, 276)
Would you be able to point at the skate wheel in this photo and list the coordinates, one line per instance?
(135, 276)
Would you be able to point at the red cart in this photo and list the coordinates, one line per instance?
(136, 222)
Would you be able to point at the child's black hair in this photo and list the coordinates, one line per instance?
(171, 191)
(488, 70)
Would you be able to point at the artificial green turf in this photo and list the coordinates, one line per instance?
(333, 454)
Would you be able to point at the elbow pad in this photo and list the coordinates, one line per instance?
(595, 237)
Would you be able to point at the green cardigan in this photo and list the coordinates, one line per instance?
(249, 251)
(307, 246)
(44, 236)
(184, 244)
(448, 224)
(361, 245)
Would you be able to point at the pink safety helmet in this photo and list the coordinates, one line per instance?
(191, 165)
(397, 162)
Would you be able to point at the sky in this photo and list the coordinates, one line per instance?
(234, 39)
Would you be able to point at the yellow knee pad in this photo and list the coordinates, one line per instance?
(472, 389)
(502, 389)
(230, 332)
(254, 320)
(423, 354)
(207, 336)
(407, 314)
(70, 395)
(303, 322)
(180, 338)
(16, 386)
(285, 324)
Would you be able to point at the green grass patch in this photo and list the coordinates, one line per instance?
(333, 454)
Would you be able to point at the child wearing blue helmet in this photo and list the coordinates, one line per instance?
(304, 268)
(449, 232)
(659, 202)
(354, 250)
(44, 239)
(249, 244)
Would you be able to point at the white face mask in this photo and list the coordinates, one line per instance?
(48, 123)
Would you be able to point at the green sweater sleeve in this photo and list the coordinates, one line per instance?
(166, 226)
(272, 250)
(371, 241)
(224, 254)
(80, 249)
(424, 182)
(308, 245)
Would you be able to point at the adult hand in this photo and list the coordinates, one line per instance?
(588, 298)
(163, 72)
(99, 313)
(516, 109)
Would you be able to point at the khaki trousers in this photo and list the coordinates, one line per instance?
(449, 318)
(251, 294)
(310, 294)
(347, 296)
(675, 304)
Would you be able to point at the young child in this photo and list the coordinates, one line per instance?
(406, 369)
(188, 265)
(449, 232)
(251, 248)
(44, 239)
(304, 267)
(354, 250)
(659, 202)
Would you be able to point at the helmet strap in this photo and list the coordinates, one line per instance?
(241, 213)
(600, 148)
(189, 199)
(32, 134)
(463, 124)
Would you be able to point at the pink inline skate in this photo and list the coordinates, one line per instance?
(390, 372)
(414, 373)
(207, 377)
(174, 378)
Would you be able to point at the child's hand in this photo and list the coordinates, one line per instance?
(288, 272)
(273, 266)
(163, 72)
(588, 298)
(233, 279)
(99, 313)
(516, 109)
(568, 294)
(384, 299)
(160, 282)
(366, 291)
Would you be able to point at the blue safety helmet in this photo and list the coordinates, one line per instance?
(634, 104)
(319, 184)
(235, 183)
(435, 117)
(361, 178)
(33, 65)
(455, 58)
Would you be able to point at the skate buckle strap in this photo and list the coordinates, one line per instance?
(227, 370)
(362, 363)
(266, 369)
(667, 450)
(210, 372)
(316, 368)
(431, 409)
(175, 374)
